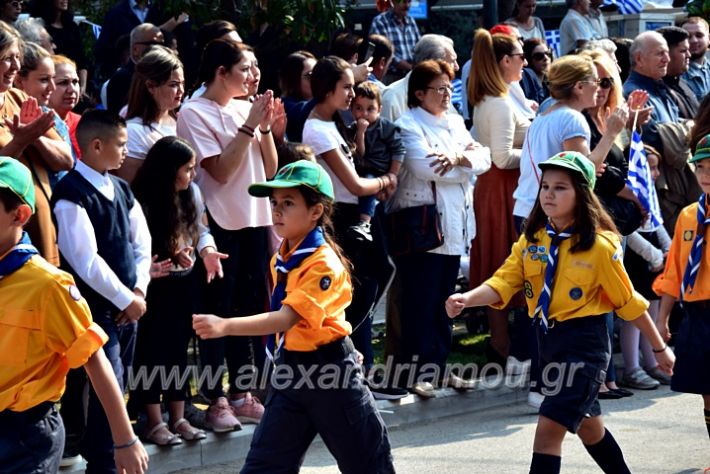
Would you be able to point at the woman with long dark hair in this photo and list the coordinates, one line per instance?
(332, 84)
(174, 210)
(235, 148)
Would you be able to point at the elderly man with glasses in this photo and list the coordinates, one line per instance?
(143, 37)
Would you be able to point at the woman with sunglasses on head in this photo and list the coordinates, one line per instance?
(539, 58)
(497, 61)
(440, 162)
(528, 25)
(156, 92)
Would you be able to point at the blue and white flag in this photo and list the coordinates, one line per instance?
(640, 182)
(95, 29)
(627, 7)
(553, 41)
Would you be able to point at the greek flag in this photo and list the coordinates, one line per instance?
(627, 7)
(95, 29)
(640, 182)
(553, 41)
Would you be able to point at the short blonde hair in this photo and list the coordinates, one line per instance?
(567, 71)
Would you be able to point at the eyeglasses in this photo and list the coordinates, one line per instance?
(541, 56)
(442, 90)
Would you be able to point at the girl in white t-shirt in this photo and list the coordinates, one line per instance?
(235, 148)
(156, 92)
(332, 85)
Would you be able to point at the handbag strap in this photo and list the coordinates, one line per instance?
(532, 163)
(428, 142)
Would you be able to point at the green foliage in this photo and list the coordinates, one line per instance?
(303, 22)
(699, 8)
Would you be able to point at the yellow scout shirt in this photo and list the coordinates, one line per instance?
(586, 283)
(319, 290)
(45, 329)
(669, 281)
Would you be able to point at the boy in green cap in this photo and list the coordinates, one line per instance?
(46, 329)
(569, 230)
(686, 277)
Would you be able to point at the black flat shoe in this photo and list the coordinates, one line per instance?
(610, 395)
(622, 391)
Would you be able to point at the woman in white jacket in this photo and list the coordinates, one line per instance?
(441, 156)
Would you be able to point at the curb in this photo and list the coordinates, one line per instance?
(233, 447)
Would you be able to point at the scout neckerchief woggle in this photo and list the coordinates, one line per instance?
(696, 251)
(308, 246)
(17, 256)
(543, 302)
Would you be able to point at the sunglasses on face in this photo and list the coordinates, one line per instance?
(541, 56)
(606, 82)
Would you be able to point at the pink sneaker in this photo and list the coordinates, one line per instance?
(250, 411)
(220, 418)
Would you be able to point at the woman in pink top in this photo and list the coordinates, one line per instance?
(235, 148)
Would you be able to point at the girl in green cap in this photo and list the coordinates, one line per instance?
(569, 229)
(317, 381)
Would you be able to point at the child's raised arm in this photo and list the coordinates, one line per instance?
(484, 295)
(209, 326)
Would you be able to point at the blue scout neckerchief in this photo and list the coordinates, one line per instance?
(17, 256)
(696, 251)
(306, 248)
(543, 302)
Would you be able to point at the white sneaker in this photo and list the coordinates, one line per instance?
(535, 399)
(513, 366)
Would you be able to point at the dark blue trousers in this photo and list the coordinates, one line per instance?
(31, 442)
(338, 407)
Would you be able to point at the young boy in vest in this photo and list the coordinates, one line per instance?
(104, 243)
(46, 330)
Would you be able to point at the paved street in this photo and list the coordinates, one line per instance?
(659, 431)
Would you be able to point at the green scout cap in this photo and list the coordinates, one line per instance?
(702, 150)
(17, 178)
(298, 173)
(575, 161)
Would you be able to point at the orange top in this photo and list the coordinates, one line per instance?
(319, 290)
(45, 330)
(669, 281)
